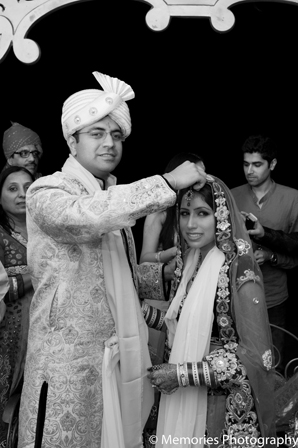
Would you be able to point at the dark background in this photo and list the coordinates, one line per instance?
(196, 89)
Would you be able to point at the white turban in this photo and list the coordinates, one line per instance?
(85, 107)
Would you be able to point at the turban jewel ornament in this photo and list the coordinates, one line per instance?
(86, 107)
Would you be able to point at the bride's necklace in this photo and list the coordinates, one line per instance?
(190, 282)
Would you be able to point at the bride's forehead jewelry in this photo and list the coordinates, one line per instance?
(189, 196)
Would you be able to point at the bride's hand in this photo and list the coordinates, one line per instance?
(164, 378)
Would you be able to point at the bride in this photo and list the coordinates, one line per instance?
(217, 386)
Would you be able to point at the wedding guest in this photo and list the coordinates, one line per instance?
(14, 183)
(276, 206)
(22, 147)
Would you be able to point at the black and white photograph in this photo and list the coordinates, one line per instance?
(148, 223)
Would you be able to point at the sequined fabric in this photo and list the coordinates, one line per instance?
(240, 412)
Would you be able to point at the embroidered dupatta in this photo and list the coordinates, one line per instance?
(183, 414)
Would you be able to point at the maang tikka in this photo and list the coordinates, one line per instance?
(189, 196)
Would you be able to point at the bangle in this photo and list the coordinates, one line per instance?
(186, 374)
(161, 321)
(178, 375)
(174, 186)
(182, 375)
(153, 317)
(190, 374)
(195, 374)
(21, 288)
(145, 308)
(13, 289)
(206, 373)
(201, 374)
(157, 256)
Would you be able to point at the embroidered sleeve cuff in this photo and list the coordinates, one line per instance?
(151, 281)
(226, 365)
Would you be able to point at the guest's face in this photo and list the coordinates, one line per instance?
(31, 162)
(197, 223)
(256, 169)
(13, 194)
(99, 155)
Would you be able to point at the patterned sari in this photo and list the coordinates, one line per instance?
(14, 326)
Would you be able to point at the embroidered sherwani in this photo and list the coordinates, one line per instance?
(70, 317)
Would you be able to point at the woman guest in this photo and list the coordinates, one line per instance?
(14, 182)
(218, 382)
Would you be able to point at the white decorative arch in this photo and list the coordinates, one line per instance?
(18, 16)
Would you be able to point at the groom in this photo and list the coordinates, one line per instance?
(86, 323)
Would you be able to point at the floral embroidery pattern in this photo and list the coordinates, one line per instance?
(70, 334)
(222, 214)
(267, 359)
(249, 275)
(241, 418)
(67, 421)
(227, 246)
(223, 282)
(149, 191)
(224, 320)
(224, 363)
(244, 431)
(243, 246)
(150, 286)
